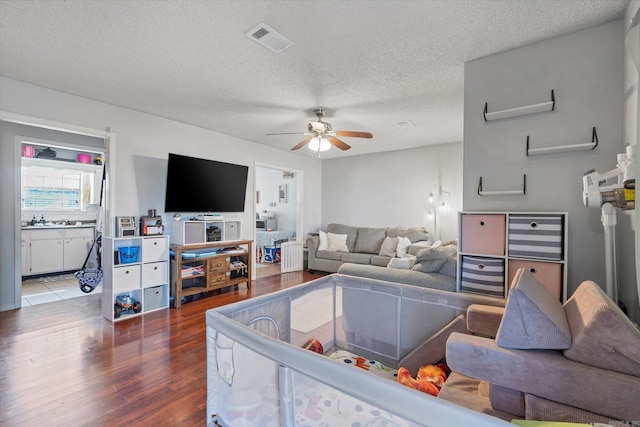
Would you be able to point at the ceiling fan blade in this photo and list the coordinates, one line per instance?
(290, 133)
(353, 134)
(302, 143)
(340, 144)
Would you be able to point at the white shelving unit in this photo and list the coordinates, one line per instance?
(146, 281)
(494, 245)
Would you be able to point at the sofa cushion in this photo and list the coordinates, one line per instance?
(380, 260)
(351, 232)
(430, 260)
(332, 255)
(417, 247)
(602, 335)
(389, 246)
(533, 317)
(356, 258)
(369, 240)
(415, 234)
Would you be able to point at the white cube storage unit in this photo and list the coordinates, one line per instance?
(145, 280)
(494, 245)
(194, 232)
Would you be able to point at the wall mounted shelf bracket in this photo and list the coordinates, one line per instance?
(565, 148)
(482, 192)
(519, 111)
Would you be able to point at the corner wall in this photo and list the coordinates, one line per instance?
(585, 69)
(390, 189)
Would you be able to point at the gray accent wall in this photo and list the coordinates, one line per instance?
(391, 188)
(585, 69)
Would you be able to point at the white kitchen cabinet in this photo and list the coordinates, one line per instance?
(55, 250)
(77, 243)
(146, 280)
(24, 253)
(46, 251)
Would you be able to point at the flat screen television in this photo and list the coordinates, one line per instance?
(202, 186)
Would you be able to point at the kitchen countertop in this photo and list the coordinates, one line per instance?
(54, 226)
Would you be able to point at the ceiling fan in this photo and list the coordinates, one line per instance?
(320, 136)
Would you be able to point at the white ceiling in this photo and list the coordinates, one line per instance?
(372, 64)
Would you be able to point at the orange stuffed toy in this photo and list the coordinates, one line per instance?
(429, 380)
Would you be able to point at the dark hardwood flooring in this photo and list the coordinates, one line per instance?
(62, 364)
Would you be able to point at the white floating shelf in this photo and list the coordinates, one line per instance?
(482, 192)
(565, 148)
(519, 111)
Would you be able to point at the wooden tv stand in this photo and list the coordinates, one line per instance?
(209, 271)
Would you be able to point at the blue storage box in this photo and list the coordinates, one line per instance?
(129, 254)
(272, 255)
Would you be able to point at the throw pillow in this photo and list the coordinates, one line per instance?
(389, 246)
(402, 263)
(533, 317)
(337, 242)
(403, 245)
(324, 243)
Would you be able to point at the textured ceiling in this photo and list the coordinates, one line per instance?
(371, 63)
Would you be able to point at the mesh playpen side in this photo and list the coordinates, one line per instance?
(259, 375)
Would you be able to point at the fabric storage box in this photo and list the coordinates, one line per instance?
(255, 356)
(480, 275)
(483, 233)
(548, 273)
(536, 236)
(154, 297)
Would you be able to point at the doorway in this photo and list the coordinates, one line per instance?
(278, 214)
(14, 127)
(60, 186)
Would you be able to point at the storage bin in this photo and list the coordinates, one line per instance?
(155, 273)
(484, 276)
(548, 273)
(536, 236)
(154, 297)
(155, 249)
(483, 234)
(126, 277)
(128, 254)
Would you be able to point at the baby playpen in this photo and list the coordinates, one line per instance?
(259, 375)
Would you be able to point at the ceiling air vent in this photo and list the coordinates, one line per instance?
(405, 125)
(269, 38)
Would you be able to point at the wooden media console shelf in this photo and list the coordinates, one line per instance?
(204, 267)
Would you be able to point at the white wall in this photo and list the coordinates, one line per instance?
(142, 144)
(391, 189)
(267, 183)
(586, 71)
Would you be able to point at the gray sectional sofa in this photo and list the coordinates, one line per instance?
(363, 258)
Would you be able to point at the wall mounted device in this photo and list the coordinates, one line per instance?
(126, 226)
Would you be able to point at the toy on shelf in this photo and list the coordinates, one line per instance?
(125, 303)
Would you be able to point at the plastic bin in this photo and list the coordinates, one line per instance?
(128, 254)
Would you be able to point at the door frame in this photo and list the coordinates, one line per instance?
(109, 206)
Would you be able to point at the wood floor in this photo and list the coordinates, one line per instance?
(62, 364)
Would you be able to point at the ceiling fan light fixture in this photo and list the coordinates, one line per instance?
(319, 144)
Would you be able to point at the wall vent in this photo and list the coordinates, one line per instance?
(269, 38)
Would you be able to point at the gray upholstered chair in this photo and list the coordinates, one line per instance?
(577, 362)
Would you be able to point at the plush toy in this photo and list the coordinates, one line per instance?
(429, 380)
